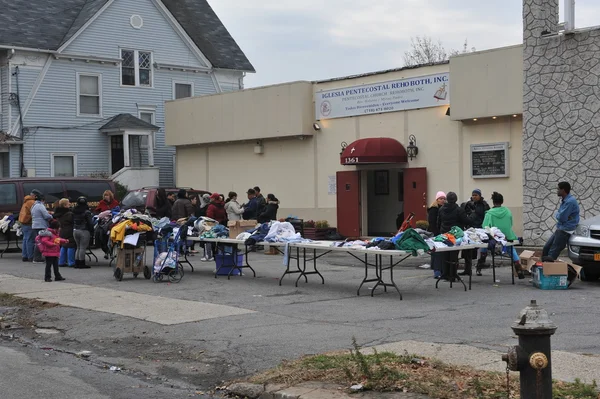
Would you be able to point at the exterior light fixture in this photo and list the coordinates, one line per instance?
(514, 116)
(474, 119)
(316, 126)
(494, 117)
(412, 148)
(344, 145)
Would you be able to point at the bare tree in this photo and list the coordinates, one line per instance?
(425, 51)
(465, 49)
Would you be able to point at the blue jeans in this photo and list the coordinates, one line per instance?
(515, 255)
(28, 242)
(556, 244)
(67, 256)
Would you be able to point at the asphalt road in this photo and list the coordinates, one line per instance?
(33, 373)
(290, 322)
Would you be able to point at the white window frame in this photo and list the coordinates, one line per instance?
(96, 75)
(183, 82)
(149, 109)
(136, 60)
(63, 154)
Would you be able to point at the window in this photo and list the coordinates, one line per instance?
(136, 68)
(182, 90)
(53, 191)
(148, 116)
(64, 165)
(8, 193)
(91, 190)
(89, 96)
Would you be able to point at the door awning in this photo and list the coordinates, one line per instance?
(376, 150)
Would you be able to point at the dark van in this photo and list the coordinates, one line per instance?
(144, 199)
(12, 191)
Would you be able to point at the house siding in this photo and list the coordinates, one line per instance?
(55, 105)
(112, 29)
(26, 80)
(4, 98)
(229, 80)
(14, 157)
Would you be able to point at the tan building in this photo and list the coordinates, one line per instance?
(464, 117)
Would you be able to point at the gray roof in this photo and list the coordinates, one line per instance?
(208, 32)
(128, 121)
(48, 24)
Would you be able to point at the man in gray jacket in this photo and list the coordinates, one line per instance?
(40, 218)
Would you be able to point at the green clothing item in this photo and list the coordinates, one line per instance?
(411, 241)
(440, 238)
(457, 232)
(501, 217)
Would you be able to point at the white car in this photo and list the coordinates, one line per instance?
(584, 248)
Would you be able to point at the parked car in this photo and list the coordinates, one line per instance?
(144, 199)
(584, 248)
(12, 191)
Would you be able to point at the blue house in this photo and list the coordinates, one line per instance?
(83, 83)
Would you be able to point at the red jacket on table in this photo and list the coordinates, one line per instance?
(216, 211)
(105, 206)
(49, 242)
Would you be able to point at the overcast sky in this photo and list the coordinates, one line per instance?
(288, 40)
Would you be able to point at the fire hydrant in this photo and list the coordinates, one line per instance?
(532, 356)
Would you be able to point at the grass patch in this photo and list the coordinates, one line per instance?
(576, 390)
(392, 372)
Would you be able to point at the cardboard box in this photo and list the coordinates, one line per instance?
(237, 227)
(558, 275)
(528, 260)
(126, 260)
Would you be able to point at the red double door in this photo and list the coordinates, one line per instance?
(349, 215)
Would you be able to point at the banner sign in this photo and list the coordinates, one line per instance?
(395, 95)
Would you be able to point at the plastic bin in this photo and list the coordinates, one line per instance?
(556, 282)
(225, 262)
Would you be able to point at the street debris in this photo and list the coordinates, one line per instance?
(84, 354)
(115, 368)
(357, 387)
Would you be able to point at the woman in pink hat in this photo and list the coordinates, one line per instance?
(437, 260)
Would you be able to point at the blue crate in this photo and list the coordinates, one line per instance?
(226, 263)
(559, 282)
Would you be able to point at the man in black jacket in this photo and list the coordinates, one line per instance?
(451, 215)
(475, 209)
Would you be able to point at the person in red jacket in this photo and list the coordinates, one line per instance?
(49, 243)
(216, 209)
(108, 202)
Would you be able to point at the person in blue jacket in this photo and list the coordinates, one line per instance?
(40, 219)
(567, 219)
(251, 207)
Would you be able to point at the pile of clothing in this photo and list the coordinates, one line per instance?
(127, 223)
(206, 227)
(283, 232)
(6, 223)
(476, 236)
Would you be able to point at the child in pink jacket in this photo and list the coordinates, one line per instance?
(48, 242)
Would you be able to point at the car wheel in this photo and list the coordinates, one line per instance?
(589, 274)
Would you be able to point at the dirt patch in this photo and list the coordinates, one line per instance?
(19, 313)
(384, 372)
